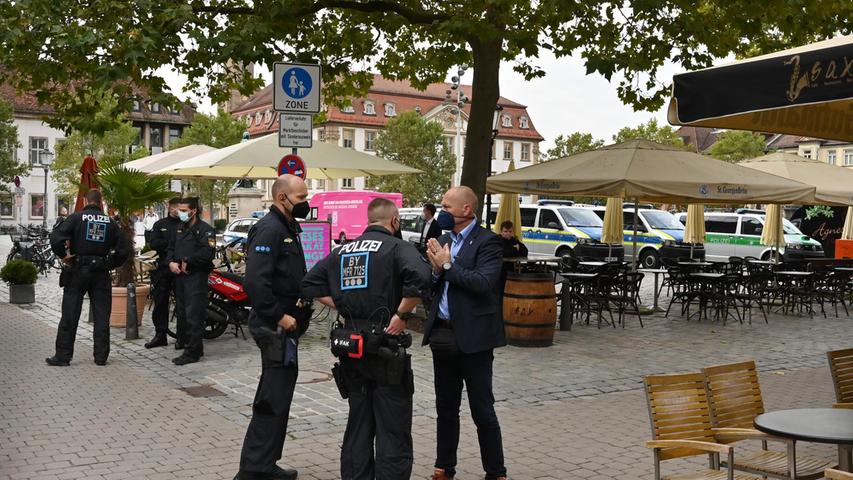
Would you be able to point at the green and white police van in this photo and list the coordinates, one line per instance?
(739, 234)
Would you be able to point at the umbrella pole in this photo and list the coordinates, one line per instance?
(489, 212)
(634, 239)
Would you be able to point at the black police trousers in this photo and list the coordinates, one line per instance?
(163, 281)
(264, 439)
(191, 306)
(380, 413)
(97, 285)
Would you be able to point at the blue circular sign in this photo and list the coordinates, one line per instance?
(296, 83)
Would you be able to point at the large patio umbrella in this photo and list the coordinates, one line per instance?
(612, 232)
(508, 209)
(259, 157)
(772, 234)
(88, 181)
(833, 185)
(694, 229)
(158, 161)
(805, 91)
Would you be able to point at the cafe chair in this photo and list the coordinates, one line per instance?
(841, 368)
(681, 427)
(832, 474)
(626, 295)
(734, 398)
(832, 289)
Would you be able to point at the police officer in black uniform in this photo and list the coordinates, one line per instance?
(374, 282)
(190, 256)
(92, 235)
(162, 279)
(275, 266)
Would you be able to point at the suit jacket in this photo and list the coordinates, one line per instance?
(474, 295)
(433, 232)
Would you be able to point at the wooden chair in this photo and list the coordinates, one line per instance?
(841, 367)
(734, 397)
(831, 474)
(681, 426)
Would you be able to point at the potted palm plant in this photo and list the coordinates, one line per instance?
(126, 190)
(21, 276)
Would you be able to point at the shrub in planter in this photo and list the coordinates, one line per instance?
(21, 276)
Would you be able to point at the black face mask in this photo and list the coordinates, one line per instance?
(299, 210)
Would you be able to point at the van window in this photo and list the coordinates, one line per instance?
(720, 224)
(628, 222)
(409, 222)
(580, 217)
(750, 226)
(242, 226)
(661, 220)
(528, 217)
(548, 216)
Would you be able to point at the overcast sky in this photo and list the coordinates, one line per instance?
(564, 101)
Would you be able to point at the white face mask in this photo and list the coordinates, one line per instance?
(184, 216)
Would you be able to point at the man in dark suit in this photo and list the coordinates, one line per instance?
(431, 228)
(466, 314)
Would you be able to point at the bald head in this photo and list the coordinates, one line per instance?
(461, 202)
(287, 191)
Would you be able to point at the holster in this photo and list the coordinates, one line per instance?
(337, 374)
(271, 344)
(65, 276)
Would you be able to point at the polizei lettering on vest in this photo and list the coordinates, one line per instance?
(361, 246)
(89, 217)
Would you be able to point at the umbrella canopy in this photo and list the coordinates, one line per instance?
(612, 231)
(88, 181)
(802, 91)
(158, 161)
(694, 229)
(847, 231)
(651, 172)
(509, 209)
(259, 157)
(772, 234)
(834, 185)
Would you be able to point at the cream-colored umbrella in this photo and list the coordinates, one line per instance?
(847, 231)
(259, 157)
(772, 234)
(834, 185)
(613, 230)
(694, 229)
(158, 161)
(509, 209)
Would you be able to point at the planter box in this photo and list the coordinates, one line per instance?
(22, 293)
(118, 314)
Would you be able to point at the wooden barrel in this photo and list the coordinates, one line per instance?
(530, 309)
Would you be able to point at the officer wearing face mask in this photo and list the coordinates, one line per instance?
(275, 266)
(190, 255)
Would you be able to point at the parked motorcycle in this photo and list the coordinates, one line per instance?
(228, 303)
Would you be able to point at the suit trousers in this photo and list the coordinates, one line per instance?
(475, 371)
(191, 306)
(164, 283)
(98, 286)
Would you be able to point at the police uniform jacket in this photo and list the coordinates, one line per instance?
(275, 266)
(91, 235)
(160, 236)
(195, 245)
(368, 277)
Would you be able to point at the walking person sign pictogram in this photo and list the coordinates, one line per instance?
(296, 87)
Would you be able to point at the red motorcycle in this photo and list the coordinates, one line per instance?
(227, 303)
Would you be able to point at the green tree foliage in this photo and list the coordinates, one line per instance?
(650, 130)
(116, 45)
(572, 144)
(415, 142)
(9, 165)
(220, 130)
(737, 145)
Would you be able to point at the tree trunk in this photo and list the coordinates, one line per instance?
(485, 91)
(125, 273)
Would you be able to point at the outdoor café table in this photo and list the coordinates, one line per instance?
(656, 272)
(540, 262)
(709, 281)
(843, 269)
(767, 263)
(819, 425)
(592, 264)
(567, 310)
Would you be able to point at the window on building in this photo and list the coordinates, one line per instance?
(174, 135)
(155, 107)
(369, 139)
(348, 137)
(807, 154)
(62, 201)
(390, 110)
(369, 108)
(848, 157)
(37, 145)
(348, 109)
(267, 116)
(136, 107)
(525, 152)
(36, 205)
(450, 141)
(830, 157)
(175, 110)
(506, 121)
(522, 122)
(507, 150)
(258, 118)
(321, 134)
(347, 183)
(7, 205)
(156, 137)
(248, 120)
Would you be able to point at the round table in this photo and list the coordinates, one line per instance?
(820, 425)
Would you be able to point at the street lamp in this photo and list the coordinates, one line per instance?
(46, 160)
(459, 105)
(495, 119)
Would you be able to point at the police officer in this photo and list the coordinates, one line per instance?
(92, 236)
(162, 279)
(275, 266)
(190, 256)
(374, 282)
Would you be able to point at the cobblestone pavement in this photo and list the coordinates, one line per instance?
(573, 410)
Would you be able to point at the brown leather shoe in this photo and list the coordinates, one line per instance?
(439, 474)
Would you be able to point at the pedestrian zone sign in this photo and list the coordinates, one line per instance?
(296, 87)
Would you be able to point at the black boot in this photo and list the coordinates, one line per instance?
(179, 344)
(184, 359)
(159, 340)
(55, 361)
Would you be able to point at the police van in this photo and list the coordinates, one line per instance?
(412, 223)
(739, 234)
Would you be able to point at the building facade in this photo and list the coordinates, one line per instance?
(358, 125)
